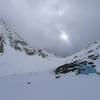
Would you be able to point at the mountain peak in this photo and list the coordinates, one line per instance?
(13, 39)
(87, 56)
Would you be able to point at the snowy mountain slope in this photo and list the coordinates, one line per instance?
(43, 86)
(89, 55)
(12, 38)
(16, 56)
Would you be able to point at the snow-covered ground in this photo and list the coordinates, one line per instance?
(44, 86)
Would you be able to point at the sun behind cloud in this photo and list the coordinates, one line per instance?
(64, 37)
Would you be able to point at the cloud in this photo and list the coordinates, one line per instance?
(41, 22)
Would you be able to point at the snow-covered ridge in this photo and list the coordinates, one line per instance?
(17, 56)
(89, 55)
(12, 38)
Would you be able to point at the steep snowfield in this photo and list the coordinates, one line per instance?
(15, 62)
(16, 56)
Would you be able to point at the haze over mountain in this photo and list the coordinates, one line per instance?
(41, 23)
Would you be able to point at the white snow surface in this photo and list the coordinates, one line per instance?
(45, 87)
(16, 62)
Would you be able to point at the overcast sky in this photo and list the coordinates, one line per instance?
(42, 22)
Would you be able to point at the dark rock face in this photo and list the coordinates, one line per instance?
(75, 57)
(2, 44)
(90, 51)
(70, 67)
(91, 63)
(13, 39)
(40, 53)
(29, 51)
(1, 47)
(94, 57)
(18, 43)
(17, 48)
(84, 62)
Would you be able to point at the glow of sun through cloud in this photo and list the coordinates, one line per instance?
(64, 37)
